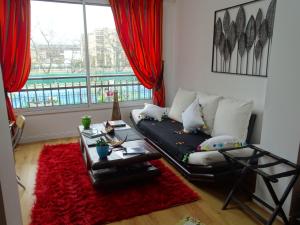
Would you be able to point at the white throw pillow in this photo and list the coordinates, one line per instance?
(212, 157)
(209, 104)
(192, 117)
(181, 101)
(153, 111)
(232, 118)
(220, 142)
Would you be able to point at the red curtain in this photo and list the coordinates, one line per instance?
(14, 46)
(139, 26)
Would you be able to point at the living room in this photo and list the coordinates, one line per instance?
(187, 52)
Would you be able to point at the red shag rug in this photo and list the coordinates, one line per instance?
(65, 195)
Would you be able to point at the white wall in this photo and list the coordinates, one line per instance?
(7, 169)
(275, 97)
(281, 124)
(194, 35)
(59, 124)
(169, 48)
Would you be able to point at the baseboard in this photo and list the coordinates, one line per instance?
(49, 136)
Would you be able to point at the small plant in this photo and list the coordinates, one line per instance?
(86, 122)
(102, 148)
(101, 142)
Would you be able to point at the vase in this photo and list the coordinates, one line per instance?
(86, 122)
(116, 114)
(103, 151)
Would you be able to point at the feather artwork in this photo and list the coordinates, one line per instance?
(270, 17)
(221, 46)
(263, 33)
(227, 52)
(217, 37)
(258, 20)
(226, 23)
(250, 37)
(240, 21)
(250, 33)
(257, 50)
(222, 43)
(242, 44)
(241, 48)
(218, 32)
(258, 55)
(232, 36)
(232, 40)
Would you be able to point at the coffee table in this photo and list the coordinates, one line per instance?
(118, 168)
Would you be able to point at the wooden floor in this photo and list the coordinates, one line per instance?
(207, 209)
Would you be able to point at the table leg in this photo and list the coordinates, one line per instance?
(279, 203)
(234, 187)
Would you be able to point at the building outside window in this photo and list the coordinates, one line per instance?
(77, 59)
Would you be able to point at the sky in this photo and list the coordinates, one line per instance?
(63, 23)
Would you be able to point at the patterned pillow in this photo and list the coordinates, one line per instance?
(220, 142)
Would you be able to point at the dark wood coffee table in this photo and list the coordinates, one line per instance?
(118, 168)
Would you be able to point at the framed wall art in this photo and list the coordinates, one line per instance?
(242, 38)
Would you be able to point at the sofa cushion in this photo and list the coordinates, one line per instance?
(213, 157)
(169, 136)
(153, 112)
(220, 142)
(232, 118)
(192, 117)
(135, 115)
(182, 100)
(209, 104)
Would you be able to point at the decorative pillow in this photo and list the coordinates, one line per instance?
(192, 117)
(181, 101)
(206, 158)
(209, 104)
(153, 112)
(220, 142)
(232, 118)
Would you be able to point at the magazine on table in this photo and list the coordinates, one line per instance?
(92, 133)
(134, 151)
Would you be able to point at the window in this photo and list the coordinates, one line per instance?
(73, 62)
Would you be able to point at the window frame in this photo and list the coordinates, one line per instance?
(89, 106)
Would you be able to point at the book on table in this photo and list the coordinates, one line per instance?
(92, 133)
(134, 151)
(116, 123)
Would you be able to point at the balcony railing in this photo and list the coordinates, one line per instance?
(72, 90)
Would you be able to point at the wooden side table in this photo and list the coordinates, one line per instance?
(250, 164)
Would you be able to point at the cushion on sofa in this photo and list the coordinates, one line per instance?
(182, 100)
(169, 136)
(232, 118)
(192, 117)
(153, 111)
(209, 105)
(220, 142)
(211, 157)
(135, 115)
